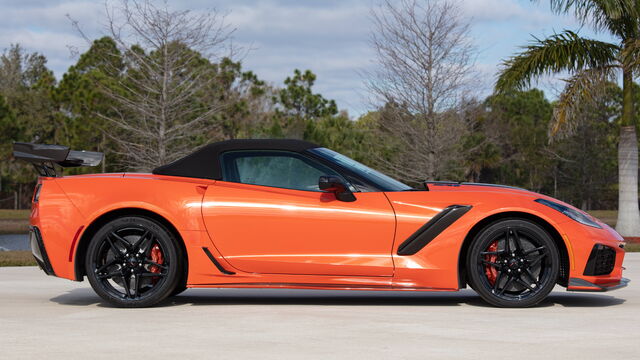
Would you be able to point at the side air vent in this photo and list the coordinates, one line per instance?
(431, 229)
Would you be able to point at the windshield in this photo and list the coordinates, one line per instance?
(383, 181)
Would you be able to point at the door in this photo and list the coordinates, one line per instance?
(268, 216)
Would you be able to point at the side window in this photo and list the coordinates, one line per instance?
(273, 168)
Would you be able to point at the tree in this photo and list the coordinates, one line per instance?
(479, 147)
(8, 131)
(586, 161)
(518, 124)
(592, 64)
(297, 104)
(249, 100)
(26, 86)
(341, 134)
(425, 63)
(81, 102)
(162, 103)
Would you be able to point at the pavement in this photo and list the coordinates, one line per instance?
(45, 317)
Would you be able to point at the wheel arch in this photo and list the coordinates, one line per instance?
(555, 235)
(96, 224)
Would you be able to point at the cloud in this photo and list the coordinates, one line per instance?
(50, 15)
(329, 37)
(503, 10)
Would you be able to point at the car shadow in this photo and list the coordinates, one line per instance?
(199, 297)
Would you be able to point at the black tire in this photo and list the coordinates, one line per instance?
(121, 262)
(519, 272)
(179, 290)
(182, 283)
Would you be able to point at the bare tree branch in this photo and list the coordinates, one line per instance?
(425, 70)
(161, 96)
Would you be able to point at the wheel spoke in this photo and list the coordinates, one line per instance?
(109, 275)
(537, 260)
(126, 285)
(149, 262)
(144, 238)
(497, 283)
(124, 242)
(497, 252)
(526, 284)
(116, 250)
(105, 266)
(495, 265)
(152, 274)
(517, 241)
(530, 275)
(509, 282)
(507, 243)
(136, 286)
(527, 252)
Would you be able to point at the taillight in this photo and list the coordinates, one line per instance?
(36, 193)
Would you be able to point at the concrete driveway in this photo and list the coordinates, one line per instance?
(45, 317)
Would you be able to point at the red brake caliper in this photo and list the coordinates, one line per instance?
(156, 257)
(489, 270)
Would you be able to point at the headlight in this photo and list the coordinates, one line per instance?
(576, 215)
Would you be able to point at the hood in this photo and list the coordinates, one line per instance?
(444, 186)
(475, 187)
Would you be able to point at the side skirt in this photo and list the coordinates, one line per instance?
(312, 286)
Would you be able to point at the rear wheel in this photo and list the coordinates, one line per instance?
(133, 262)
(513, 263)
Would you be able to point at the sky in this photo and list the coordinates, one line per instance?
(329, 37)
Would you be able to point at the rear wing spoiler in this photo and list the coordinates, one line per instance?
(45, 157)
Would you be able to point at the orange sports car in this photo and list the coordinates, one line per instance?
(291, 214)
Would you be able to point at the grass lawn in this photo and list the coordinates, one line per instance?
(14, 226)
(16, 258)
(632, 247)
(14, 221)
(6, 214)
(609, 217)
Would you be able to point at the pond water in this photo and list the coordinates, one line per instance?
(14, 242)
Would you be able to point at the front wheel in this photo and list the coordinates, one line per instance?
(513, 263)
(133, 262)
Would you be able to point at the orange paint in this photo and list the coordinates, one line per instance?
(272, 237)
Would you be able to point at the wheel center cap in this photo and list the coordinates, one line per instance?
(513, 263)
(132, 261)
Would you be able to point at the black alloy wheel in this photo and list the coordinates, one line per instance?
(134, 262)
(513, 263)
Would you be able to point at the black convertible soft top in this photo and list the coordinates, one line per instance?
(205, 162)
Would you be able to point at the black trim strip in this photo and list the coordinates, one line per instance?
(431, 229)
(39, 251)
(320, 285)
(216, 263)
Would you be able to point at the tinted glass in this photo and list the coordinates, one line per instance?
(383, 181)
(272, 168)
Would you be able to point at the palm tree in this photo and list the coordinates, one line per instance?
(591, 64)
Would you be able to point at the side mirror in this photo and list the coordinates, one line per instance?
(335, 185)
